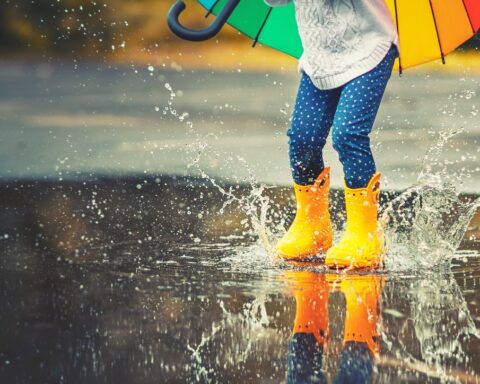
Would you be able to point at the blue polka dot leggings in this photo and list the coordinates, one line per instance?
(350, 111)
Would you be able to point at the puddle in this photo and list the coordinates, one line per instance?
(145, 280)
(173, 279)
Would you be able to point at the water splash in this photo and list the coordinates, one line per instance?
(255, 204)
(441, 319)
(429, 218)
(436, 314)
(424, 226)
(249, 328)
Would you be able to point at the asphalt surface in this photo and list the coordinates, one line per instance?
(69, 120)
(147, 280)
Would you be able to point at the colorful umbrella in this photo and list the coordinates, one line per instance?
(427, 29)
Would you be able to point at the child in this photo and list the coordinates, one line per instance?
(349, 50)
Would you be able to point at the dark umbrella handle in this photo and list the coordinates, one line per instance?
(202, 34)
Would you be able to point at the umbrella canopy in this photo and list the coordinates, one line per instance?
(427, 29)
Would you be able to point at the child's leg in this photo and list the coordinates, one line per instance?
(356, 112)
(311, 122)
(311, 231)
(361, 245)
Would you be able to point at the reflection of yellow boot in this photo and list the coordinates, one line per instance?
(311, 296)
(361, 341)
(310, 330)
(361, 295)
(362, 243)
(311, 230)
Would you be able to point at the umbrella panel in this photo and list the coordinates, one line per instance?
(247, 17)
(281, 31)
(274, 27)
(428, 29)
(473, 9)
(452, 23)
(417, 32)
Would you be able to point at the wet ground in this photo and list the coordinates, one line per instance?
(165, 280)
(137, 211)
(60, 118)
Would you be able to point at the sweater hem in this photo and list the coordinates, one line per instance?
(360, 68)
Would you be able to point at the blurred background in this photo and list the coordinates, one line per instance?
(105, 88)
(115, 31)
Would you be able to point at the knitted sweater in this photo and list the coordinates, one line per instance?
(342, 39)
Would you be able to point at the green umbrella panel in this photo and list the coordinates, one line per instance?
(274, 27)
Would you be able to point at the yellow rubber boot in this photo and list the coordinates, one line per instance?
(362, 243)
(362, 294)
(311, 230)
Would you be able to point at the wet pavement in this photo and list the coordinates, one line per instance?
(171, 280)
(59, 119)
(139, 205)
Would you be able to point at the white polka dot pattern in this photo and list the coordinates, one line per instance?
(349, 111)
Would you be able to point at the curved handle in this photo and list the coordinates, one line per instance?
(201, 34)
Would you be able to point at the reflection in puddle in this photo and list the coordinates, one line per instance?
(143, 281)
(311, 327)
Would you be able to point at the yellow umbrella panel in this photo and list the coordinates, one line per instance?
(431, 29)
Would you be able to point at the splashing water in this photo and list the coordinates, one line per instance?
(424, 226)
(437, 314)
(251, 323)
(430, 217)
(254, 204)
(427, 219)
(438, 308)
